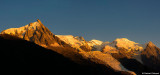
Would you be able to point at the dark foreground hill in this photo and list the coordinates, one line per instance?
(20, 57)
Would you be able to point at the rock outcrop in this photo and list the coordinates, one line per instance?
(151, 56)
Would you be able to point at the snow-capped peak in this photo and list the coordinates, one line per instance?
(75, 42)
(33, 25)
(95, 42)
(127, 44)
(71, 40)
(23, 29)
(124, 40)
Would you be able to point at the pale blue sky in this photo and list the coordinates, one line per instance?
(106, 20)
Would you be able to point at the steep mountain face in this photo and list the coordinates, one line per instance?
(35, 32)
(151, 50)
(151, 56)
(75, 42)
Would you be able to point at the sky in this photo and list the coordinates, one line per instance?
(105, 20)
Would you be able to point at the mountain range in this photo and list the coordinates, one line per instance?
(34, 46)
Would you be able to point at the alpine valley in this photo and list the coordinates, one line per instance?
(34, 50)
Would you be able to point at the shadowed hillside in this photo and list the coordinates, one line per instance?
(26, 58)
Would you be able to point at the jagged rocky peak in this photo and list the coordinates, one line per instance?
(34, 24)
(39, 21)
(35, 32)
(151, 56)
(150, 43)
(23, 29)
(151, 50)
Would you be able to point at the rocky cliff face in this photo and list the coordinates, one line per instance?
(151, 50)
(151, 56)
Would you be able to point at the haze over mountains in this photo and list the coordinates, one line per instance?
(121, 56)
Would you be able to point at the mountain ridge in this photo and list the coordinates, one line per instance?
(32, 32)
(35, 32)
(116, 54)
